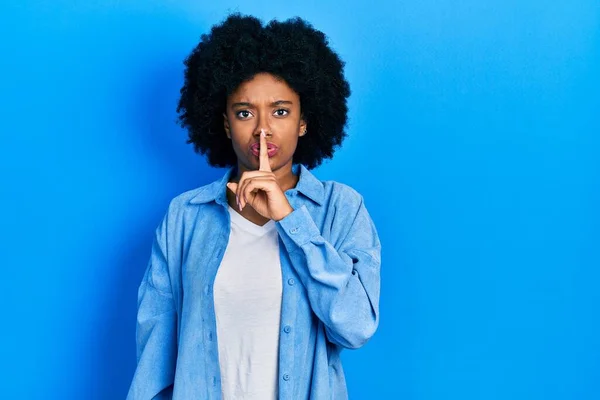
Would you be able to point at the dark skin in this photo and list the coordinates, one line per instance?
(268, 105)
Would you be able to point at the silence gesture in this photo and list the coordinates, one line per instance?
(260, 188)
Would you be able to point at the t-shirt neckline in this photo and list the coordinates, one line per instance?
(249, 226)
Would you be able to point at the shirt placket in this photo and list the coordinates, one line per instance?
(213, 372)
(288, 328)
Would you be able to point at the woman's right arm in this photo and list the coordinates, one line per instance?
(156, 329)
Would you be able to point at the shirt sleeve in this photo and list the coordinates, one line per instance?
(156, 328)
(342, 283)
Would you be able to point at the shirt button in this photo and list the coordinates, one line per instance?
(291, 281)
(287, 329)
(353, 272)
(293, 230)
(286, 377)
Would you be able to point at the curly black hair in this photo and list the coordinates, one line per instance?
(239, 48)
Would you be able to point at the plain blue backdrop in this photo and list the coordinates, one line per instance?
(473, 136)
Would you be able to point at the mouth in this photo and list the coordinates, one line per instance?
(271, 149)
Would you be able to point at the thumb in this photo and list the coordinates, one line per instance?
(232, 186)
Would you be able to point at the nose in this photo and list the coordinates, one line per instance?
(262, 123)
(260, 129)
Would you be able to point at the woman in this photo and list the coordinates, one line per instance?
(257, 281)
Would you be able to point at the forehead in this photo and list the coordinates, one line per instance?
(263, 86)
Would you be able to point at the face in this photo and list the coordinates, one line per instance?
(264, 102)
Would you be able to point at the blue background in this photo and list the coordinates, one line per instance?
(474, 138)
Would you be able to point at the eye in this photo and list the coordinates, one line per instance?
(277, 112)
(243, 114)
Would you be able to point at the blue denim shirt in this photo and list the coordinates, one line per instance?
(330, 257)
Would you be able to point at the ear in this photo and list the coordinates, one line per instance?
(226, 125)
(302, 130)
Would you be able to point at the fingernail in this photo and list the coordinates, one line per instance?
(262, 133)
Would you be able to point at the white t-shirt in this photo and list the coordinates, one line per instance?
(247, 296)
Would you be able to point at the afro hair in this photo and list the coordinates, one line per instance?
(239, 48)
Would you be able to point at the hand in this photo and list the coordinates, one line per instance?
(260, 189)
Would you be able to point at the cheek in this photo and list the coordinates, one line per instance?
(240, 134)
(239, 147)
(289, 146)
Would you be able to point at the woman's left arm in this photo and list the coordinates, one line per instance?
(342, 283)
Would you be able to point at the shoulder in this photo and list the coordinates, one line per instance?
(181, 203)
(341, 199)
(347, 214)
(340, 193)
(182, 200)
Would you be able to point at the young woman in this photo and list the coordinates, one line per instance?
(257, 281)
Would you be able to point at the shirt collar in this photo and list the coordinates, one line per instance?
(308, 184)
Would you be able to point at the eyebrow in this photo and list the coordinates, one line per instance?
(275, 103)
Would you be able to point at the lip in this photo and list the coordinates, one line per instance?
(271, 149)
(270, 152)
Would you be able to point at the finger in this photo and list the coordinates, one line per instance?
(232, 186)
(243, 195)
(264, 154)
(255, 184)
(238, 192)
(244, 179)
(235, 189)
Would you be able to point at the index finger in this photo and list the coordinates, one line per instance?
(264, 154)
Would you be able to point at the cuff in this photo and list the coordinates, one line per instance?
(297, 229)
